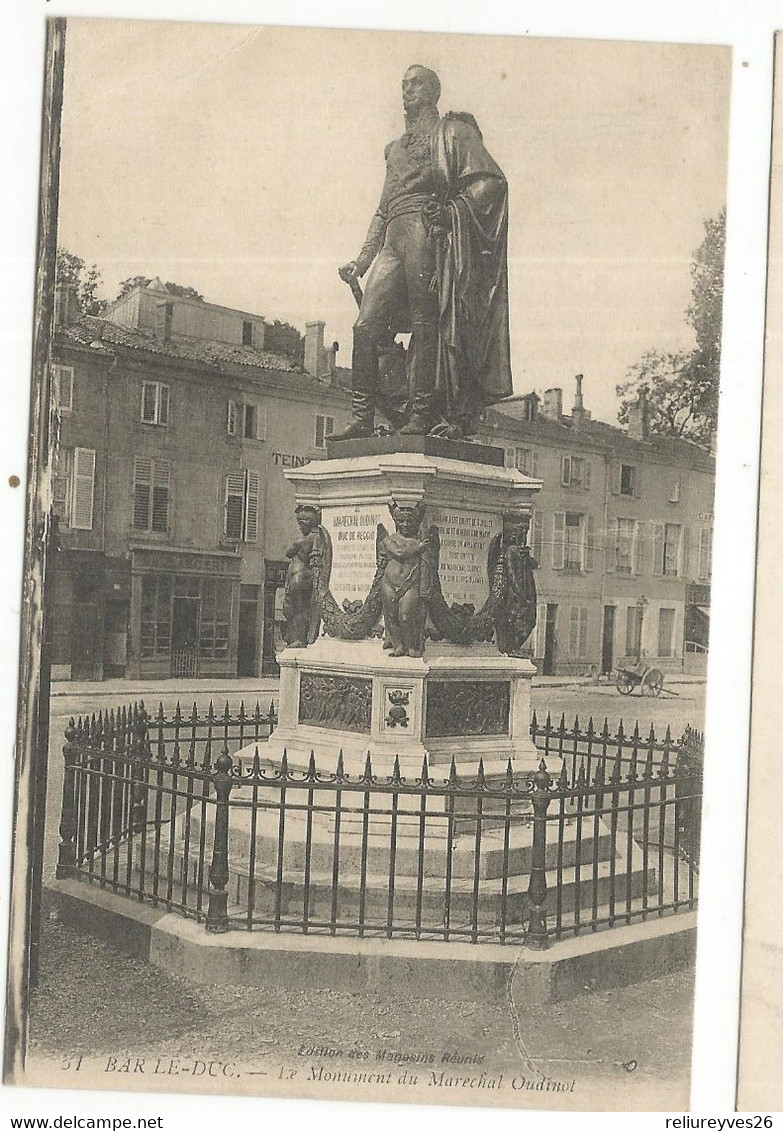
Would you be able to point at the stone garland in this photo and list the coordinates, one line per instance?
(507, 615)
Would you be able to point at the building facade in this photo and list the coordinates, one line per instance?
(173, 511)
(175, 427)
(622, 534)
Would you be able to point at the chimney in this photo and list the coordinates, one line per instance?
(66, 303)
(552, 404)
(639, 418)
(579, 413)
(314, 348)
(164, 314)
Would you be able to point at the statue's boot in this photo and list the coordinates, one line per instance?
(425, 352)
(363, 423)
(423, 416)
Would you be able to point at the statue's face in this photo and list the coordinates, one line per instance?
(409, 522)
(417, 91)
(306, 522)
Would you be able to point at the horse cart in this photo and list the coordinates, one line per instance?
(648, 680)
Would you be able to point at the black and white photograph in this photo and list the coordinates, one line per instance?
(368, 565)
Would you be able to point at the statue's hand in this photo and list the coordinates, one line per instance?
(350, 271)
(436, 216)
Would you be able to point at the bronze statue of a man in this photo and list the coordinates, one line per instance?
(436, 253)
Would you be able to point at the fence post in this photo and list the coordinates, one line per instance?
(217, 909)
(138, 749)
(536, 936)
(66, 854)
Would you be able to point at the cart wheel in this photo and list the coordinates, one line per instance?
(653, 682)
(624, 683)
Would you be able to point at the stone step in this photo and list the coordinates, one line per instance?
(595, 843)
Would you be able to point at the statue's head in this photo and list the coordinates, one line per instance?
(308, 518)
(420, 89)
(407, 519)
(516, 527)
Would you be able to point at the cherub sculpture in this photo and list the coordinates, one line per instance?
(302, 618)
(406, 583)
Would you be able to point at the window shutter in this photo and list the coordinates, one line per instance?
(320, 432)
(511, 459)
(148, 402)
(705, 553)
(142, 490)
(261, 422)
(637, 482)
(83, 489)
(638, 550)
(251, 505)
(63, 387)
(558, 540)
(540, 628)
(534, 463)
(537, 545)
(161, 470)
(329, 426)
(685, 547)
(565, 471)
(615, 478)
(589, 543)
(613, 547)
(231, 423)
(587, 473)
(658, 532)
(163, 408)
(234, 505)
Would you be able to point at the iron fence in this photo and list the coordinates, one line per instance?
(187, 813)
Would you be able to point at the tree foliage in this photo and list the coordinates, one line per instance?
(283, 338)
(176, 289)
(682, 387)
(85, 280)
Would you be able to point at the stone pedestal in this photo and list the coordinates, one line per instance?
(467, 701)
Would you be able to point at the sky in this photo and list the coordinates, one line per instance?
(247, 162)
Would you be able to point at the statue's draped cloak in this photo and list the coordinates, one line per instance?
(474, 364)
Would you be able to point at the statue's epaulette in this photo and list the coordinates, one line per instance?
(466, 117)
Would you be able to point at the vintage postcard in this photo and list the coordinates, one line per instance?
(369, 565)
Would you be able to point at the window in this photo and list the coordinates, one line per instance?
(633, 631)
(577, 646)
(63, 387)
(73, 487)
(574, 471)
(83, 489)
(625, 545)
(324, 426)
(572, 543)
(247, 333)
(246, 419)
(628, 480)
(535, 535)
(669, 551)
(151, 482)
(524, 460)
(665, 631)
(705, 553)
(155, 634)
(240, 521)
(154, 403)
(676, 491)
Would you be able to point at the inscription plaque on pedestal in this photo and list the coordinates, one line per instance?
(352, 530)
(464, 543)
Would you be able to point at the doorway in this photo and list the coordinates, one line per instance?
(607, 648)
(184, 635)
(247, 643)
(550, 640)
